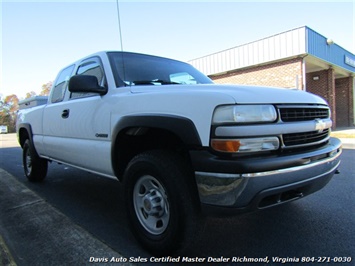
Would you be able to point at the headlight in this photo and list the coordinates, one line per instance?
(244, 114)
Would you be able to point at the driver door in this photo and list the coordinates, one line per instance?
(78, 129)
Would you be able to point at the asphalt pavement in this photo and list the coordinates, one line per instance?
(27, 222)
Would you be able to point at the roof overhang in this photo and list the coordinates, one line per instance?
(314, 64)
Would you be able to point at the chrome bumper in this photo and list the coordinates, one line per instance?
(258, 190)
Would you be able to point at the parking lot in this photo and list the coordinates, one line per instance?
(90, 208)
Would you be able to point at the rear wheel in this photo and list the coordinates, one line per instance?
(35, 168)
(161, 203)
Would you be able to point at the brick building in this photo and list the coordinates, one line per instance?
(300, 58)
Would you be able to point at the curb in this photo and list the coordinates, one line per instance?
(348, 143)
(6, 258)
(38, 234)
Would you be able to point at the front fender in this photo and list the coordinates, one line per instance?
(183, 128)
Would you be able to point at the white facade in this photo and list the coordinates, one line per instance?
(284, 45)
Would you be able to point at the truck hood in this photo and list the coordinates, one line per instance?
(240, 93)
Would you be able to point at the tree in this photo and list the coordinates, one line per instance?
(9, 106)
(44, 92)
(8, 112)
(30, 94)
(46, 88)
(5, 117)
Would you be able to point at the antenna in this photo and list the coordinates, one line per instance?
(119, 28)
(119, 24)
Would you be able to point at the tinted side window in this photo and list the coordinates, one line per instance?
(58, 90)
(92, 68)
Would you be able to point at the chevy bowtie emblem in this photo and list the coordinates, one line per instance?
(320, 125)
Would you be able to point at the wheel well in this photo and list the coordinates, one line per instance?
(134, 140)
(23, 135)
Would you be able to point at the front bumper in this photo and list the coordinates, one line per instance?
(245, 184)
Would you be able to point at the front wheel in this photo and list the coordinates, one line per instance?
(35, 168)
(161, 203)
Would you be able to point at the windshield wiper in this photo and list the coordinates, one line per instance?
(153, 82)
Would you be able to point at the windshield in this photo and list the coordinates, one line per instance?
(131, 69)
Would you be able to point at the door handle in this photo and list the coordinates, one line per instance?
(65, 113)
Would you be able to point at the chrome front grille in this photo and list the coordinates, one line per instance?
(294, 114)
(305, 138)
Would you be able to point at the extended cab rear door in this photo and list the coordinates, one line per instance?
(77, 129)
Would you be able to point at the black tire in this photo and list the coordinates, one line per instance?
(161, 202)
(35, 168)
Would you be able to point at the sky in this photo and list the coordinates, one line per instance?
(39, 38)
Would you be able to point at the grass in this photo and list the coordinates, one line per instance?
(342, 135)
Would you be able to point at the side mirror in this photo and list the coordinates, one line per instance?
(86, 83)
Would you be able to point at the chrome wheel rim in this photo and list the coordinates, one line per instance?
(151, 205)
(28, 162)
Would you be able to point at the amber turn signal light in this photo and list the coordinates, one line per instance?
(225, 145)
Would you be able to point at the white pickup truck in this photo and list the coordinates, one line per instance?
(181, 145)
